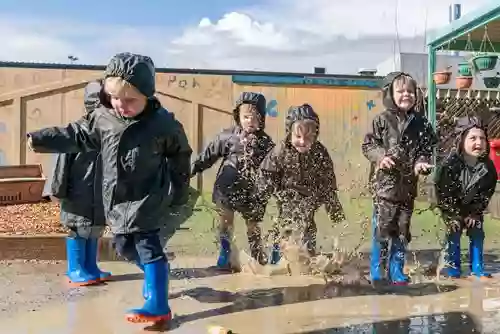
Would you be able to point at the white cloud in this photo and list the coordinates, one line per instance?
(280, 35)
(295, 35)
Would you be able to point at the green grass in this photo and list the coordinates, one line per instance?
(197, 235)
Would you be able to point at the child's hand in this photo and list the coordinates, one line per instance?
(423, 168)
(30, 143)
(454, 226)
(386, 163)
(472, 222)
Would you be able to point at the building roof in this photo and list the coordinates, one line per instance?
(454, 35)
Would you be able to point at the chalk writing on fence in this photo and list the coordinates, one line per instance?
(272, 108)
(35, 113)
(182, 83)
(3, 127)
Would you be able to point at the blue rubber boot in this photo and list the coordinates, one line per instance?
(378, 257)
(156, 306)
(145, 292)
(91, 249)
(476, 244)
(452, 257)
(397, 262)
(275, 254)
(224, 260)
(77, 273)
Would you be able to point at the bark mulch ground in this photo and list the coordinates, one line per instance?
(30, 219)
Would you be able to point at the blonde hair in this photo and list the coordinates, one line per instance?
(304, 127)
(116, 86)
(404, 80)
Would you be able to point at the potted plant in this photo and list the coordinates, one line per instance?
(465, 69)
(442, 77)
(464, 82)
(484, 61)
(492, 82)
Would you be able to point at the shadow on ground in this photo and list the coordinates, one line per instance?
(445, 323)
(261, 298)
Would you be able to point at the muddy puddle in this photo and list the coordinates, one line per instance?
(245, 303)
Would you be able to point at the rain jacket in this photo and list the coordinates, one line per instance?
(407, 140)
(304, 178)
(77, 177)
(464, 191)
(142, 157)
(234, 186)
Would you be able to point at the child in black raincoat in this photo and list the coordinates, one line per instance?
(399, 147)
(465, 182)
(145, 169)
(242, 148)
(76, 182)
(300, 173)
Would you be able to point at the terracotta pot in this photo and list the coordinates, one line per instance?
(442, 77)
(464, 82)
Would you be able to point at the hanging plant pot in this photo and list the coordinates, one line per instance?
(464, 69)
(442, 77)
(464, 82)
(491, 82)
(485, 62)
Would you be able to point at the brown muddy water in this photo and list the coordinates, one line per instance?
(35, 299)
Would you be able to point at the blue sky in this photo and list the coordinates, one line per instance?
(126, 12)
(279, 35)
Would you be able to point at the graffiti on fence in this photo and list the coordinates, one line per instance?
(370, 104)
(272, 108)
(182, 83)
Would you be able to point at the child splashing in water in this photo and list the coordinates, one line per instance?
(399, 147)
(465, 183)
(300, 173)
(242, 149)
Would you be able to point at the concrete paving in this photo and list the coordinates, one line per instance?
(35, 299)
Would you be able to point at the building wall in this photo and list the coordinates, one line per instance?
(32, 98)
(416, 64)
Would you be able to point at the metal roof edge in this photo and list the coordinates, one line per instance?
(34, 65)
(465, 24)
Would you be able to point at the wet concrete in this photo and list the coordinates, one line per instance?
(35, 299)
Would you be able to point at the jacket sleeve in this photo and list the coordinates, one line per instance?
(427, 144)
(448, 198)
(215, 150)
(372, 145)
(330, 196)
(60, 175)
(270, 175)
(483, 198)
(178, 154)
(79, 136)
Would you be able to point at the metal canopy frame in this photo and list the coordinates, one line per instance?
(454, 37)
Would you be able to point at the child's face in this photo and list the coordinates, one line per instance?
(403, 93)
(124, 98)
(249, 118)
(475, 142)
(303, 135)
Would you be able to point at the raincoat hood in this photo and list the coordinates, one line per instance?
(300, 113)
(136, 69)
(462, 127)
(256, 99)
(91, 96)
(387, 97)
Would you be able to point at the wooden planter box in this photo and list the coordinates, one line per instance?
(21, 184)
